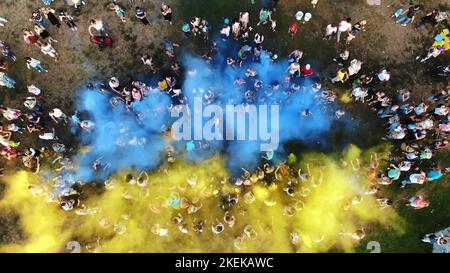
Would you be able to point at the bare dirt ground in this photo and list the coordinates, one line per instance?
(383, 44)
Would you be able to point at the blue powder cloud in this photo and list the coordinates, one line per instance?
(121, 140)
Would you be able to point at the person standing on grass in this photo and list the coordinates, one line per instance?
(148, 61)
(330, 30)
(384, 76)
(359, 26)
(244, 19)
(307, 70)
(44, 34)
(341, 76)
(76, 3)
(429, 18)
(64, 16)
(3, 21)
(48, 136)
(3, 65)
(38, 18)
(344, 26)
(436, 239)
(236, 29)
(57, 115)
(97, 25)
(49, 50)
(35, 64)
(50, 14)
(6, 81)
(409, 15)
(418, 202)
(10, 113)
(295, 56)
(5, 51)
(142, 15)
(118, 10)
(264, 16)
(273, 25)
(33, 89)
(30, 37)
(293, 29)
(166, 12)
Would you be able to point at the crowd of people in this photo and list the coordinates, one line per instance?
(417, 130)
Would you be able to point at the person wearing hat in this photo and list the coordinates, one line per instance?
(307, 70)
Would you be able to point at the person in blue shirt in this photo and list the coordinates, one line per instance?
(434, 174)
(142, 15)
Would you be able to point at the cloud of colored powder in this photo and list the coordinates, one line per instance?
(127, 217)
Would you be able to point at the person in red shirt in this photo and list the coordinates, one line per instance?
(9, 153)
(293, 28)
(307, 70)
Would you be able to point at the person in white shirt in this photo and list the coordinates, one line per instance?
(225, 32)
(148, 61)
(36, 64)
(330, 31)
(355, 67)
(76, 3)
(49, 50)
(48, 136)
(244, 19)
(34, 90)
(114, 84)
(3, 21)
(236, 29)
(97, 25)
(57, 115)
(384, 75)
(344, 26)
